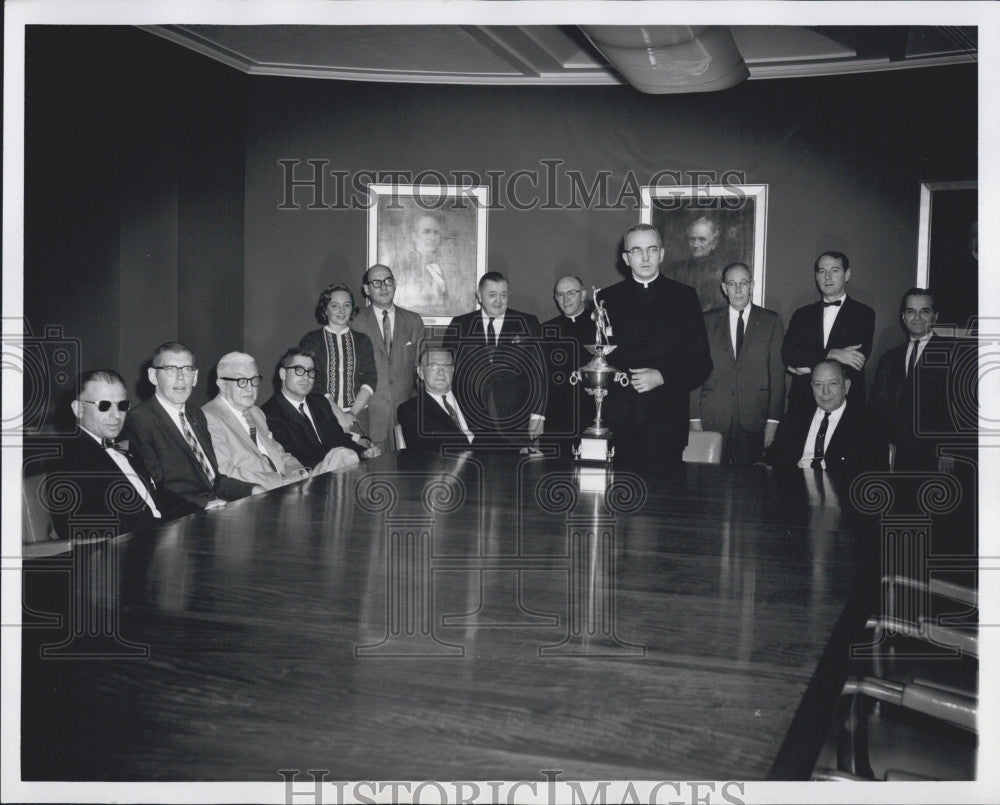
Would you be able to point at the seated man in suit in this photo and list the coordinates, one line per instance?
(910, 402)
(116, 494)
(744, 396)
(243, 443)
(837, 327)
(832, 436)
(301, 420)
(172, 437)
(434, 418)
(498, 366)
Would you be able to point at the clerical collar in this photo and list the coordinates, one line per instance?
(574, 318)
(645, 283)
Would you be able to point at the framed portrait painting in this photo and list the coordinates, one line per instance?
(434, 240)
(704, 228)
(948, 249)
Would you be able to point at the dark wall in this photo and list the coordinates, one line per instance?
(842, 156)
(134, 196)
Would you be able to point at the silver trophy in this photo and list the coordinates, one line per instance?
(597, 376)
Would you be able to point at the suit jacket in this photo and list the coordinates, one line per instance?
(750, 390)
(803, 345)
(847, 453)
(171, 462)
(396, 370)
(295, 434)
(239, 457)
(568, 409)
(105, 494)
(915, 416)
(364, 360)
(427, 426)
(658, 327)
(510, 377)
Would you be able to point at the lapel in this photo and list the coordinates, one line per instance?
(724, 335)
(442, 422)
(295, 418)
(369, 325)
(168, 427)
(107, 464)
(840, 323)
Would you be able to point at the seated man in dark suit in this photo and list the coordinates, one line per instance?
(302, 422)
(498, 367)
(434, 418)
(116, 494)
(833, 435)
(173, 439)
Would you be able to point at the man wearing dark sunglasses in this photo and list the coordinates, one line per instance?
(243, 443)
(302, 422)
(115, 492)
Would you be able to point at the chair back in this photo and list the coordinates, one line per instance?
(36, 521)
(703, 447)
(397, 432)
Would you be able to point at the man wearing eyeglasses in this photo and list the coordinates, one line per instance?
(658, 327)
(173, 438)
(435, 417)
(396, 334)
(744, 396)
(568, 410)
(114, 488)
(242, 440)
(301, 420)
(836, 327)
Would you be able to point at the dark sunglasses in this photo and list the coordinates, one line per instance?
(105, 405)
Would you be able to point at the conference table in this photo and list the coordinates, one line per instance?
(465, 617)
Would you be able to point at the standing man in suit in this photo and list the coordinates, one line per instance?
(837, 328)
(831, 435)
(434, 418)
(243, 444)
(658, 326)
(111, 479)
(301, 420)
(397, 335)
(172, 437)
(566, 411)
(744, 396)
(910, 403)
(498, 366)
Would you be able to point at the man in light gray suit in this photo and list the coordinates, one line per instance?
(397, 335)
(744, 396)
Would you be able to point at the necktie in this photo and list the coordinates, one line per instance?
(491, 334)
(817, 462)
(253, 438)
(833, 304)
(740, 327)
(387, 331)
(451, 412)
(121, 445)
(199, 454)
(305, 416)
(911, 364)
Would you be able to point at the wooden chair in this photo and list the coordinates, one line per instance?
(38, 535)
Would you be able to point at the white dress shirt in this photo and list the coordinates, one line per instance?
(830, 316)
(128, 471)
(458, 412)
(807, 451)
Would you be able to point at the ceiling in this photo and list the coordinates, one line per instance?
(651, 58)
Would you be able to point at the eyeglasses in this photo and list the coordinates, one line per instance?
(388, 282)
(301, 370)
(173, 371)
(571, 294)
(440, 366)
(105, 405)
(739, 286)
(242, 381)
(649, 251)
(828, 386)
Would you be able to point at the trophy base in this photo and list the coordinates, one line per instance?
(595, 449)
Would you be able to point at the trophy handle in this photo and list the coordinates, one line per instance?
(574, 377)
(621, 379)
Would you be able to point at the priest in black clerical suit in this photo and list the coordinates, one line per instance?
(568, 409)
(660, 332)
(113, 491)
(851, 327)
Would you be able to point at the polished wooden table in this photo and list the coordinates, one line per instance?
(454, 619)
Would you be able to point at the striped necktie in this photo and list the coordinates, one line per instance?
(387, 331)
(199, 454)
(253, 438)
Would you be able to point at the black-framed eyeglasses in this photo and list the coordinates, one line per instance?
(301, 370)
(388, 282)
(649, 251)
(173, 371)
(105, 405)
(242, 381)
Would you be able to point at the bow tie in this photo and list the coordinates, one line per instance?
(121, 445)
(833, 304)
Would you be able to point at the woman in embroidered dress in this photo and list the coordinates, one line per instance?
(345, 359)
